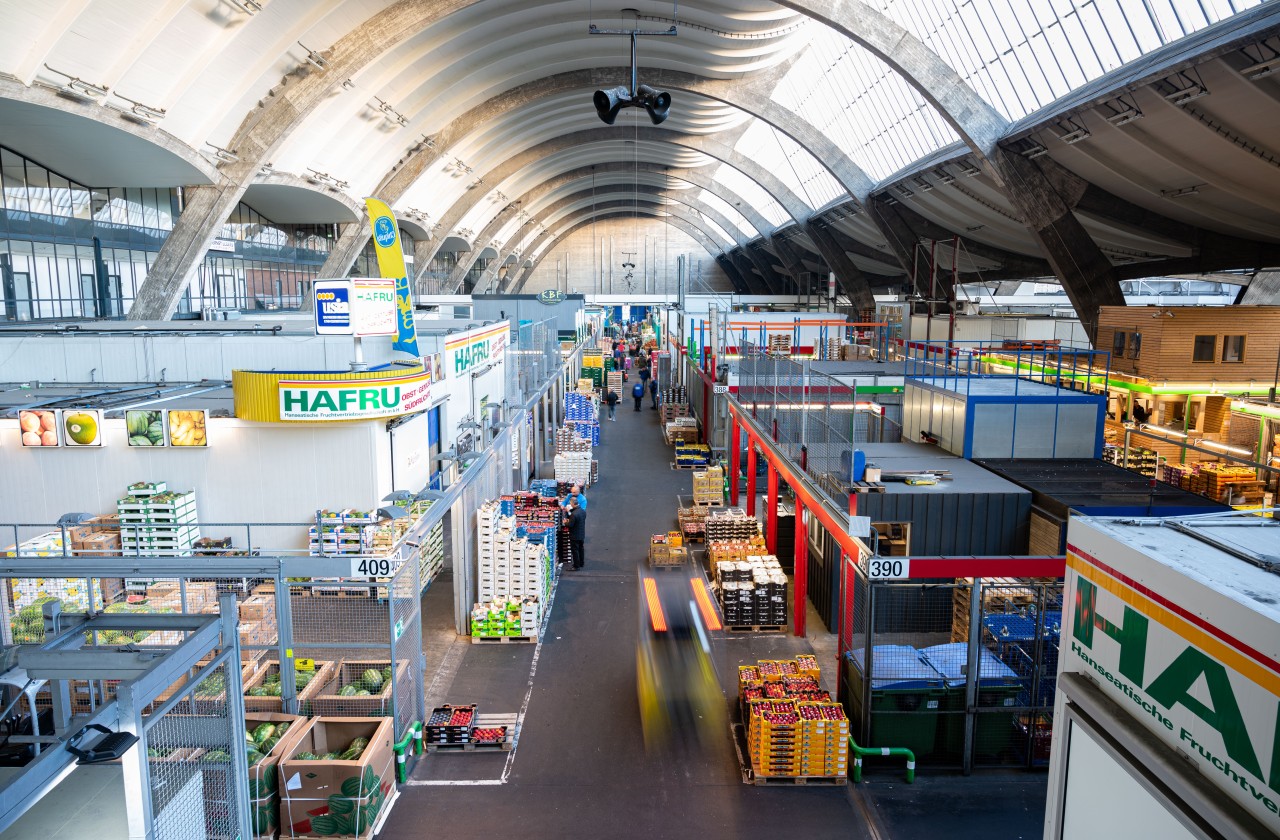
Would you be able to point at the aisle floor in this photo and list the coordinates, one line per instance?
(580, 769)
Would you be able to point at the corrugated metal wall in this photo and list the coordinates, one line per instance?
(946, 524)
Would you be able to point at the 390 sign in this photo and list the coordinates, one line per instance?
(888, 568)
(374, 567)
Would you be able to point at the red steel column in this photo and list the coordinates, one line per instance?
(751, 476)
(799, 611)
(734, 457)
(771, 511)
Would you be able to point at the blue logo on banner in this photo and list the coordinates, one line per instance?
(406, 333)
(333, 308)
(384, 231)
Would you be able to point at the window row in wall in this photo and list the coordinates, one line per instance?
(1205, 349)
(1126, 345)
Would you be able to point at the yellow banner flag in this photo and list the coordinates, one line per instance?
(386, 242)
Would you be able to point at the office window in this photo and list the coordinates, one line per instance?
(1117, 344)
(1203, 347)
(1135, 345)
(1233, 348)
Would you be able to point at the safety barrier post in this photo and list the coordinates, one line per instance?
(801, 570)
(861, 752)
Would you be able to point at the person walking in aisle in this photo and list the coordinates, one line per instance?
(645, 373)
(637, 393)
(611, 399)
(653, 393)
(577, 520)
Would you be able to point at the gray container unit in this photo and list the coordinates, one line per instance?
(1004, 417)
(520, 308)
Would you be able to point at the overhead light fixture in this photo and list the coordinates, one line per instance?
(1182, 193)
(1072, 132)
(314, 58)
(1261, 69)
(224, 155)
(76, 88)
(1182, 87)
(1034, 150)
(249, 7)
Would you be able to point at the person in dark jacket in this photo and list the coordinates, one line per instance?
(653, 394)
(577, 520)
(637, 393)
(645, 373)
(611, 400)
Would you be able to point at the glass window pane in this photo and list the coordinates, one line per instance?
(1202, 348)
(1233, 348)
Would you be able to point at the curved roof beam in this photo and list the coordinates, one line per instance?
(650, 194)
(285, 106)
(551, 239)
(707, 145)
(499, 221)
(571, 207)
(977, 122)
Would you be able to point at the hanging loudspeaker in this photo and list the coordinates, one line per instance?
(656, 102)
(609, 102)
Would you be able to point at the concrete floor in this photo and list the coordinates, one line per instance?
(580, 769)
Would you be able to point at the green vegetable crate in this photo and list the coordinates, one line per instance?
(264, 788)
(342, 796)
(358, 687)
(262, 690)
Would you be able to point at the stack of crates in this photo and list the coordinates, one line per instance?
(773, 737)
(693, 455)
(593, 367)
(615, 382)
(157, 521)
(708, 486)
(823, 744)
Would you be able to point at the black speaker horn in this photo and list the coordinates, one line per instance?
(656, 102)
(609, 102)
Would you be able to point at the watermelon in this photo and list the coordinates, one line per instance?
(263, 819)
(363, 692)
(351, 786)
(323, 825)
(369, 783)
(348, 691)
(339, 804)
(372, 680)
(343, 824)
(263, 731)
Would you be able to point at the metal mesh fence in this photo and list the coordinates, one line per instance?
(813, 417)
(408, 688)
(533, 355)
(192, 746)
(962, 680)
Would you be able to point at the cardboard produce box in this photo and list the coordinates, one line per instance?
(254, 702)
(337, 797)
(264, 786)
(329, 700)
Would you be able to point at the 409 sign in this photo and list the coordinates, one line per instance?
(375, 567)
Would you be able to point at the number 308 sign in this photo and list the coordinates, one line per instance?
(887, 568)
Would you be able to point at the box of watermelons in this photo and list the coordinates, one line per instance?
(358, 687)
(336, 778)
(262, 689)
(270, 736)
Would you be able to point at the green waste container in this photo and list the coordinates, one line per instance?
(907, 694)
(998, 688)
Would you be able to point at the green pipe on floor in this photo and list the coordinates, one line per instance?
(400, 748)
(860, 752)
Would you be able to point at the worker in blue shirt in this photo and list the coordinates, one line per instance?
(575, 493)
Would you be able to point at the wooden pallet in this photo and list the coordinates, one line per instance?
(507, 744)
(708, 503)
(867, 487)
(504, 640)
(755, 628)
(680, 565)
(345, 592)
(676, 466)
